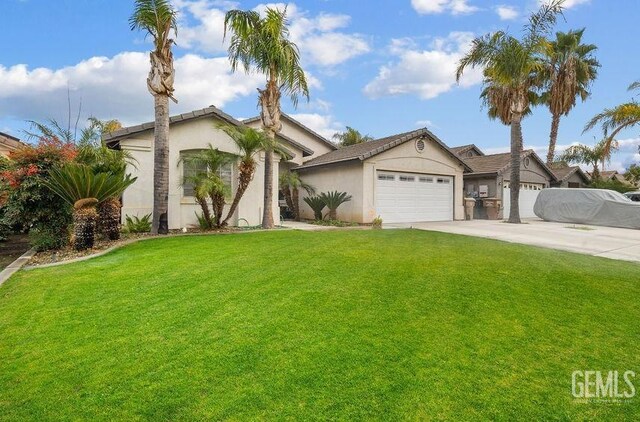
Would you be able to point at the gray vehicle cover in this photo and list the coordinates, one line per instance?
(599, 207)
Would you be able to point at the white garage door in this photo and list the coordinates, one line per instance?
(528, 195)
(409, 197)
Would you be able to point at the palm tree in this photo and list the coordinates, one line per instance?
(570, 68)
(594, 156)
(317, 204)
(614, 120)
(208, 182)
(158, 19)
(351, 136)
(263, 44)
(249, 142)
(290, 185)
(511, 76)
(333, 200)
(84, 190)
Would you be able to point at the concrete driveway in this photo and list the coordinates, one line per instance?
(608, 242)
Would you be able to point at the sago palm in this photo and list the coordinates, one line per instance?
(316, 204)
(290, 185)
(614, 120)
(83, 189)
(570, 68)
(333, 200)
(262, 44)
(158, 19)
(511, 77)
(351, 136)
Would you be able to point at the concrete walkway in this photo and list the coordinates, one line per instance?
(608, 242)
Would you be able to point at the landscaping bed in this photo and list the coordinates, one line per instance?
(12, 249)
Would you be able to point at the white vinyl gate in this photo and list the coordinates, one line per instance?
(410, 197)
(528, 195)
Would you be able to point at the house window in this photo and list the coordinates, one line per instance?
(574, 185)
(426, 179)
(443, 180)
(386, 177)
(191, 169)
(407, 178)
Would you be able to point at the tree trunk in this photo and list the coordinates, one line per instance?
(267, 213)
(553, 138)
(286, 191)
(217, 203)
(109, 219)
(333, 214)
(161, 166)
(206, 214)
(516, 156)
(295, 200)
(84, 223)
(246, 174)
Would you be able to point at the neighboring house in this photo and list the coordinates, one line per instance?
(192, 132)
(407, 177)
(8, 144)
(569, 176)
(489, 179)
(614, 175)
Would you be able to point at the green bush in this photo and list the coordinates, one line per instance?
(613, 184)
(48, 238)
(376, 223)
(135, 224)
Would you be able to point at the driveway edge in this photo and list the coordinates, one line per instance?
(16, 265)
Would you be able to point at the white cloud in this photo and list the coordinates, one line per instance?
(324, 124)
(507, 12)
(318, 37)
(425, 73)
(455, 7)
(116, 87)
(426, 123)
(568, 4)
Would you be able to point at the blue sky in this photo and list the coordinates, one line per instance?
(382, 68)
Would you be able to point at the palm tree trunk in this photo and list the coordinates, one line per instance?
(205, 210)
(84, 227)
(267, 213)
(108, 223)
(286, 191)
(295, 200)
(161, 166)
(553, 138)
(516, 155)
(270, 115)
(217, 203)
(246, 174)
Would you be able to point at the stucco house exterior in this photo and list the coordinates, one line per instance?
(408, 177)
(8, 144)
(569, 176)
(191, 132)
(489, 179)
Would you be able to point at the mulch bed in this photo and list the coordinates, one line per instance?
(13, 248)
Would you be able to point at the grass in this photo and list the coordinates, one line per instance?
(376, 324)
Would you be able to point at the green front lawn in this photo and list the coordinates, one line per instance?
(392, 324)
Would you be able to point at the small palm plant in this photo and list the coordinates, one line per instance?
(83, 189)
(290, 185)
(333, 200)
(317, 204)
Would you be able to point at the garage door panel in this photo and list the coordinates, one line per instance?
(526, 201)
(413, 197)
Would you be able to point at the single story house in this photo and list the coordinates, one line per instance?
(489, 179)
(569, 176)
(8, 144)
(192, 132)
(614, 175)
(408, 177)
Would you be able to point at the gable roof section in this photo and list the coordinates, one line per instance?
(563, 173)
(500, 163)
(114, 137)
(368, 149)
(301, 126)
(461, 150)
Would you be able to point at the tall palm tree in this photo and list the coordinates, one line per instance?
(511, 77)
(262, 43)
(351, 136)
(158, 19)
(614, 120)
(249, 142)
(570, 68)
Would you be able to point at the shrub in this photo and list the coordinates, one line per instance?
(135, 224)
(376, 223)
(317, 205)
(333, 200)
(613, 184)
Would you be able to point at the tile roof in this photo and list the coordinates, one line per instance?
(499, 163)
(563, 173)
(115, 136)
(464, 148)
(300, 125)
(10, 141)
(368, 149)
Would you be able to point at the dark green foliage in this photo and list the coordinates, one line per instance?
(317, 205)
(45, 237)
(333, 200)
(612, 184)
(135, 224)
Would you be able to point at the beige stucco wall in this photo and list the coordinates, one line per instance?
(184, 136)
(4, 150)
(574, 178)
(358, 178)
(305, 138)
